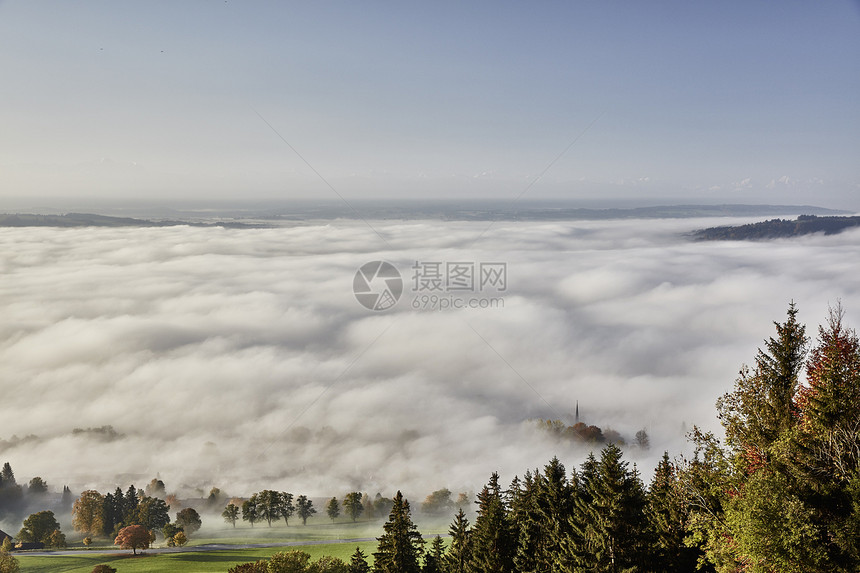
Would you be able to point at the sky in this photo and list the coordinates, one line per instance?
(241, 359)
(222, 100)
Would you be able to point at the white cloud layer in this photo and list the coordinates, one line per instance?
(241, 359)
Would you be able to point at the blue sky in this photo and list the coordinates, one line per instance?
(685, 101)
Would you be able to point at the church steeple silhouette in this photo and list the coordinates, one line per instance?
(577, 411)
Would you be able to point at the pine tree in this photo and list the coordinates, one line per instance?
(8, 476)
(493, 537)
(611, 526)
(668, 515)
(129, 505)
(401, 545)
(459, 555)
(358, 563)
(541, 514)
(761, 409)
(434, 559)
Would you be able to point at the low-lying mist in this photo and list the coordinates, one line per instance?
(241, 358)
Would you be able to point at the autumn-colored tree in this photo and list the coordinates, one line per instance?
(133, 537)
(289, 562)
(155, 488)
(180, 539)
(88, 513)
(57, 539)
(8, 564)
(438, 503)
(328, 564)
(87, 541)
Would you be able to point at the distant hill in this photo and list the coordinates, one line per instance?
(92, 220)
(468, 210)
(778, 228)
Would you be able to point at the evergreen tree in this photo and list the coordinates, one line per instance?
(612, 523)
(434, 559)
(668, 515)
(761, 409)
(459, 555)
(129, 505)
(401, 545)
(541, 514)
(111, 516)
(7, 475)
(358, 563)
(493, 537)
(67, 500)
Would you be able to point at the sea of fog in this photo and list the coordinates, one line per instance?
(242, 359)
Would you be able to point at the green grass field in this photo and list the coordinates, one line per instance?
(316, 535)
(190, 562)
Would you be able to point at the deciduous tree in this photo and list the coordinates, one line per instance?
(231, 514)
(133, 537)
(38, 527)
(88, 513)
(304, 508)
(286, 507)
(189, 520)
(249, 510)
(332, 509)
(352, 505)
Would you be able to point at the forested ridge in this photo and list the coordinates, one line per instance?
(778, 228)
